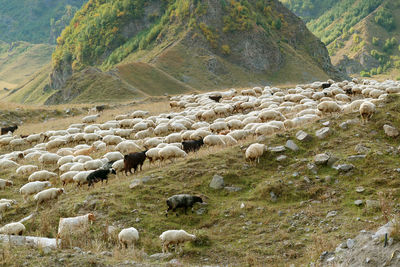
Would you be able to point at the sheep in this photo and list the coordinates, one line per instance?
(77, 167)
(93, 164)
(81, 177)
(184, 201)
(228, 140)
(26, 169)
(112, 139)
(192, 145)
(144, 133)
(4, 183)
(82, 159)
(49, 158)
(367, 109)
(239, 134)
(213, 140)
(66, 151)
(176, 237)
(90, 119)
(5, 130)
(133, 160)
(55, 143)
(118, 165)
(171, 152)
(84, 151)
(43, 175)
(128, 237)
(153, 154)
(33, 188)
(14, 228)
(113, 156)
(34, 138)
(68, 177)
(3, 207)
(73, 226)
(173, 138)
(255, 151)
(99, 175)
(8, 164)
(48, 194)
(329, 107)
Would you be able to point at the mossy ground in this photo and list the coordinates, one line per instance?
(257, 234)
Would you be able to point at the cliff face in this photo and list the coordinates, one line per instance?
(201, 44)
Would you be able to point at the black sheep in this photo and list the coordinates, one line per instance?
(216, 98)
(5, 130)
(325, 85)
(133, 160)
(182, 201)
(99, 175)
(192, 145)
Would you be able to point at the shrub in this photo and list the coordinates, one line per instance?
(365, 74)
(226, 50)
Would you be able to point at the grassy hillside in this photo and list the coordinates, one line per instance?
(309, 9)
(35, 21)
(293, 229)
(193, 44)
(20, 60)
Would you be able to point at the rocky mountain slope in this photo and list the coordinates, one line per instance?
(361, 36)
(188, 45)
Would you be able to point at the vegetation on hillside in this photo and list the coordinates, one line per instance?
(309, 9)
(35, 21)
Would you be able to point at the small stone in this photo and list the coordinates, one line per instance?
(372, 204)
(291, 145)
(146, 179)
(328, 179)
(303, 136)
(242, 205)
(343, 245)
(307, 180)
(274, 198)
(277, 149)
(135, 183)
(331, 214)
(161, 256)
(356, 157)
(295, 174)
(174, 262)
(321, 159)
(217, 182)
(345, 167)
(367, 260)
(232, 188)
(312, 167)
(106, 253)
(323, 133)
(358, 202)
(201, 211)
(360, 149)
(332, 160)
(137, 220)
(281, 158)
(360, 189)
(281, 213)
(327, 123)
(390, 131)
(350, 243)
(344, 125)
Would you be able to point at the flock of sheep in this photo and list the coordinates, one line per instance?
(209, 119)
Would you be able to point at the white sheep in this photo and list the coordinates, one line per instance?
(15, 228)
(213, 140)
(329, 107)
(118, 166)
(93, 164)
(68, 177)
(33, 188)
(171, 152)
(48, 194)
(367, 109)
(255, 151)
(80, 177)
(43, 175)
(90, 119)
(49, 158)
(175, 237)
(4, 183)
(112, 139)
(26, 169)
(153, 154)
(113, 156)
(128, 237)
(8, 164)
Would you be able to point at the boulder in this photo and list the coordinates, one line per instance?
(323, 132)
(217, 182)
(291, 145)
(321, 159)
(303, 136)
(390, 131)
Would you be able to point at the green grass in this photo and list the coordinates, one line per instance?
(254, 235)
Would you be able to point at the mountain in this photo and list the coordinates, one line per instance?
(156, 47)
(35, 21)
(361, 36)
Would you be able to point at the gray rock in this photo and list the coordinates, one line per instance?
(281, 213)
(295, 174)
(326, 124)
(332, 160)
(174, 262)
(344, 125)
(307, 180)
(217, 182)
(358, 202)
(350, 243)
(343, 245)
(360, 189)
(291, 145)
(328, 179)
(106, 253)
(303, 136)
(146, 179)
(232, 188)
(360, 149)
(274, 198)
(281, 158)
(345, 167)
(135, 183)
(372, 204)
(390, 131)
(332, 213)
(323, 133)
(321, 159)
(356, 157)
(277, 149)
(161, 256)
(312, 167)
(201, 211)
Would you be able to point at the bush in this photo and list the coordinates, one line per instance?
(385, 19)
(365, 74)
(375, 40)
(226, 50)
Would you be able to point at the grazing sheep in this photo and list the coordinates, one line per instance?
(4, 183)
(15, 228)
(33, 188)
(128, 237)
(153, 154)
(255, 151)
(90, 119)
(213, 140)
(93, 164)
(4, 207)
(174, 237)
(48, 194)
(99, 175)
(192, 145)
(367, 109)
(84, 151)
(113, 156)
(329, 107)
(133, 160)
(68, 177)
(49, 158)
(81, 178)
(171, 152)
(118, 166)
(41, 176)
(184, 201)
(73, 226)
(8, 164)
(216, 98)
